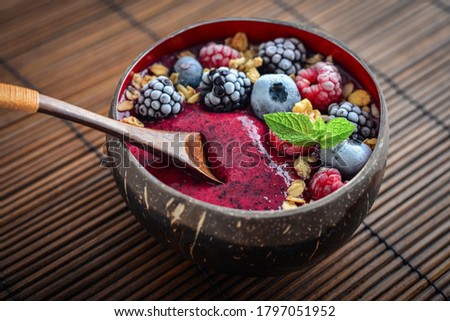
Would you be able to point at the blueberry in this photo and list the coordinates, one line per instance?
(348, 157)
(274, 93)
(190, 71)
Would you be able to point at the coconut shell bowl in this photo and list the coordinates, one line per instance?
(249, 242)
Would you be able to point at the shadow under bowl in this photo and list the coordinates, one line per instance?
(239, 241)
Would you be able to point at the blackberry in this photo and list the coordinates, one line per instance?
(225, 89)
(158, 99)
(363, 121)
(282, 56)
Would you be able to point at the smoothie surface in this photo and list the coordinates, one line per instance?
(254, 176)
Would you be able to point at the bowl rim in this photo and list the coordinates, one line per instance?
(268, 214)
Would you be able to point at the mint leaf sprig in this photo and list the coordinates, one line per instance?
(298, 129)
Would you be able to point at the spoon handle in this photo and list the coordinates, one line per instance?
(30, 101)
(19, 98)
(184, 148)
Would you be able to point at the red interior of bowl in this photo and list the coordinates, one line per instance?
(257, 31)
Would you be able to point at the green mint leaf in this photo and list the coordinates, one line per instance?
(337, 130)
(287, 126)
(298, 129)
(303, 140)
(319, 129)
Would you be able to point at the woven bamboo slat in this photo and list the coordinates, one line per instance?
(66, 234)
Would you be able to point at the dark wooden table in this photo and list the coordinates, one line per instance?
(65, 231)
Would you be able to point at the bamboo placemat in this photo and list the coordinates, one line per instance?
(65, 231)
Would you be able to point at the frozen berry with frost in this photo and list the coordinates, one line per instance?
(225, 89)
(214, 55)
(324, 182)
(274, 93)
(365, 126)
(321, 84)
(282, 56)
(349, 157)
(158, 99)
(189, 71)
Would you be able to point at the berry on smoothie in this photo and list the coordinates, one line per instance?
(217, 55)
(280, 128)
(321, 84)
(189, 71)
(273, 93)
(282, 56)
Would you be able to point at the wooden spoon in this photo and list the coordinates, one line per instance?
(184, 148)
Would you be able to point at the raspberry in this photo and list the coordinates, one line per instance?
(286, 148)
(225, 89)
(324, 182)
(321, 84)
(215, 56)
